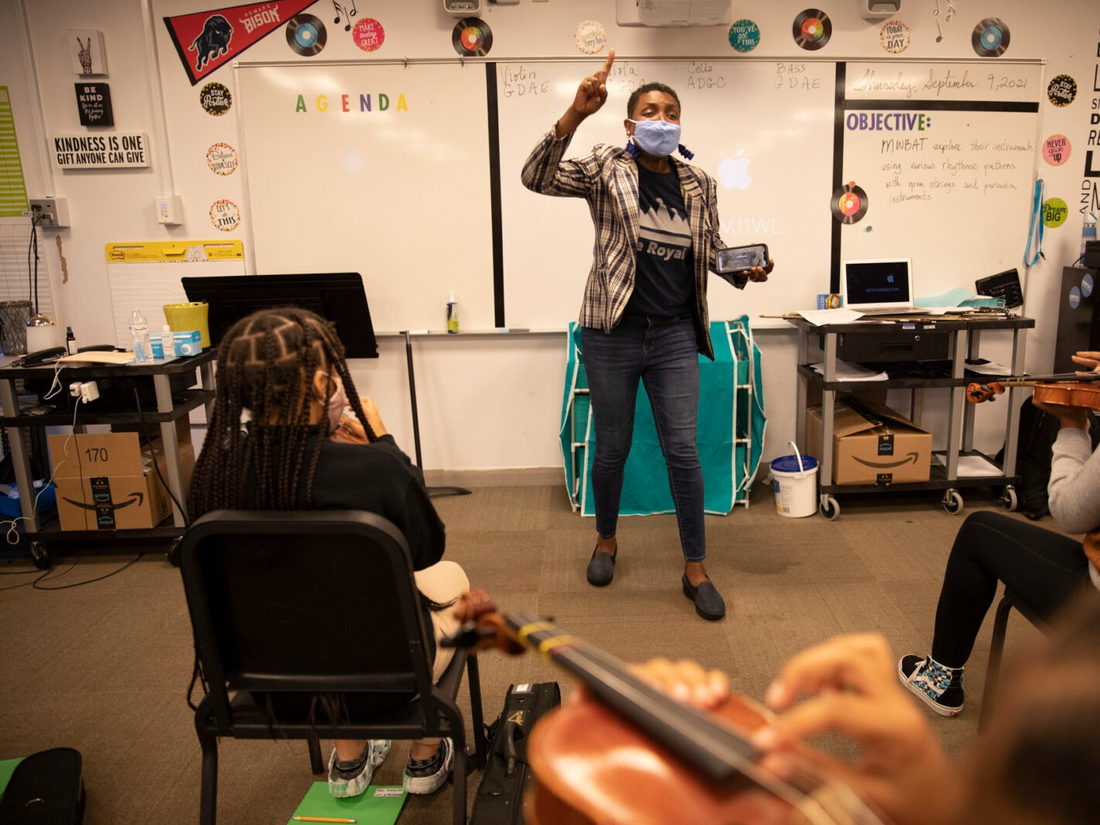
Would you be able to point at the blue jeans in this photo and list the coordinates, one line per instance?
(664, 354)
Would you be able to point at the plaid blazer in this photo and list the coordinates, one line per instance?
(608, 179)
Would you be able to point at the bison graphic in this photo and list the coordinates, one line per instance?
(213, 42)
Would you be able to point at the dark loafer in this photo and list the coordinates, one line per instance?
(708, 601)
(601, 569)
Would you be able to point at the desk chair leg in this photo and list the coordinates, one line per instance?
(208, 806)
(458, 777)
(996, 649)
(452, 718)
(315, 760)
(481, 744)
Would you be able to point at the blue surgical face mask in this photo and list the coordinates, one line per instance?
(657, 137)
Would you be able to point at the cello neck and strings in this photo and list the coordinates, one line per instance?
(717, 750)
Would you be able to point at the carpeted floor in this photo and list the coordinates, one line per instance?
(103, 667)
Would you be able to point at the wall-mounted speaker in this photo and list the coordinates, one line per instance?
(878, 9)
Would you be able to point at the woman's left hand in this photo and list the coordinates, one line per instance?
(760, 273)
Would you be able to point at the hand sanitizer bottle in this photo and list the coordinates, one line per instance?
(452, 315)
(168, 342)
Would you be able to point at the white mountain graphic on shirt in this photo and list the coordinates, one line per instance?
(663, 225)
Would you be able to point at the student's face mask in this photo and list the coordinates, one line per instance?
(657, 137)
(336, 402)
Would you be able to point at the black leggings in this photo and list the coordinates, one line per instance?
(1045, 569)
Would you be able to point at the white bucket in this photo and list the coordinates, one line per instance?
(795, 480)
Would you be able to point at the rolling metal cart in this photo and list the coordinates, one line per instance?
(963, 335)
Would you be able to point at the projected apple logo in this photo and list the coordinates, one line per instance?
(734, 172)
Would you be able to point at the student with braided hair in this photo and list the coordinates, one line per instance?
(289, 432)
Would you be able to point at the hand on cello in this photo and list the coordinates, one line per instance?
(850, 689)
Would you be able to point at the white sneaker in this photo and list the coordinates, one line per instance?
(344, 784)
(423, 776)
(937, 686)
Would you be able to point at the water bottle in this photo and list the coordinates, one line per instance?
(452, 315)
(168, 342)
(139, 329)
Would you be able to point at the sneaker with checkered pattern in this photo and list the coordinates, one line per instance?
(937, 686)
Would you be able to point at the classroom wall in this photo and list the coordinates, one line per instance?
(485, 402)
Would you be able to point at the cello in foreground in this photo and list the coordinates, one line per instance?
(625, 753)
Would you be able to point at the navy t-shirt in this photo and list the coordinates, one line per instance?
(663, 285)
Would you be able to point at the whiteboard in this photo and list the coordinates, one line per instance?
(406, 193)
(778, 116)
(380, 169)
(946, 156)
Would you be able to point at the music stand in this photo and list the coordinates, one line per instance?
(336, 296)
(432, 491)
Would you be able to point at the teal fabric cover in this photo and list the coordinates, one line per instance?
(731, 430)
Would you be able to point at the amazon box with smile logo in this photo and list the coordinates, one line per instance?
(872, 444)
(106, 481)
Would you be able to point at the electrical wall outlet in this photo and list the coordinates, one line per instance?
(50, 212)
(169, 210)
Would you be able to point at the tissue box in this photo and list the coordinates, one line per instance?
(188, 342)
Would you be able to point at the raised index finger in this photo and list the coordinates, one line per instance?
(606, 70)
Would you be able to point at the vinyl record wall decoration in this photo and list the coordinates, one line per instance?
(472, 37)
(812, 29)
(990, 37)
(306, 35)
(849, 203)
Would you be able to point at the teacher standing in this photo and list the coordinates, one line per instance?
(644, 314)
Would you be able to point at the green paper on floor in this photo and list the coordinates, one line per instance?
(7, 768)
(378, 805)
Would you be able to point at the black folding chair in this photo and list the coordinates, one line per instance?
(294, 610)
(1008, 601)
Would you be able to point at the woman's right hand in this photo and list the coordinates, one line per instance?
(590, 98)
(592, 93)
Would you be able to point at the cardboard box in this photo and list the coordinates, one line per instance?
(107, 481)
(874, 445)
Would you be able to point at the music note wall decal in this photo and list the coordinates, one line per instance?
(947, 17)
(341, 9)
